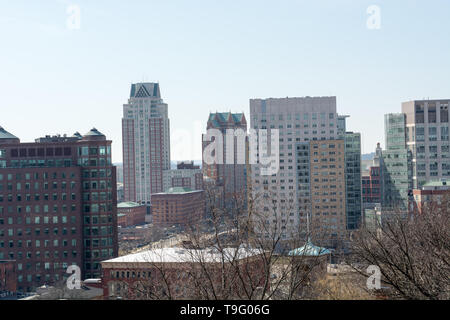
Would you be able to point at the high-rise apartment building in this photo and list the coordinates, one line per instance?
(230, 172)
(427, 135)
(300, 121)
(146, 142)
(328, 191)
(57, 206)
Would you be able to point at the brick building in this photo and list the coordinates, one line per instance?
(130, 214)
(8, 276)
(371, 186)
(178, 206)
(57, 206)
(186, 175)
(131, 276)
(430, 194)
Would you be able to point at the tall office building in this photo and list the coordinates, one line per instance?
(57, 206)
(427, 134)
(146, 142)
(353, 179)
(230, 175)
(352, 173)
(396, 164)
(299, 121)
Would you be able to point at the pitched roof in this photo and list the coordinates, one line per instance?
(309, 250)
(144, 90)
(6, 135)
(219, 118)
(94, 132)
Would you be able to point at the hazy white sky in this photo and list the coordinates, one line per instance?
(215, 55)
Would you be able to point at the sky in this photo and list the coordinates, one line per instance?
(61, 72)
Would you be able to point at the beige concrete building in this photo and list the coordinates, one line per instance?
(427, 132)
(328, 219)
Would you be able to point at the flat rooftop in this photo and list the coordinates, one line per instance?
(182, 255)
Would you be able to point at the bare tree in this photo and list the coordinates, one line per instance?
(226, 257)
(412, 252)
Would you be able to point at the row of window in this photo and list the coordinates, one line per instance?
(37, 208)
(45, 220)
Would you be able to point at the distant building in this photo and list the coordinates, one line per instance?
(230, 174)
(130, 214)
(130, 276)
(187, 175)
(352, 163)
(396, 165)
(178, 206)
(431, 195)
(372, 180)
(312, 141)
(328, 204)
(58, 206)
(373, 215)
(146, 142)
(120, 193)
(8, 277)
(427, 134)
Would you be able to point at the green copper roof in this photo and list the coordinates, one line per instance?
(6, 135)
(94, 132)
(309, 250)
(223, 117)
(128, 204)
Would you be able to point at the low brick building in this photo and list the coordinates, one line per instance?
(178, 206)
(130, 214)
(431, 194)
(176, 272)
(8, 276)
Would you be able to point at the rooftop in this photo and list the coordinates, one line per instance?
(94, 132)
(219, 118)
(309, 250)
(180, 255)
(436, 185)
(128, 204)
(178, 190)
(6, 135)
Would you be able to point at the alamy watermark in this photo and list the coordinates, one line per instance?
(374, 20)
(263, 148)
(74, 280)
(73, 21)
(374, 280)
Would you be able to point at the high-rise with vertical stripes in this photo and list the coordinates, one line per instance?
(146, 142)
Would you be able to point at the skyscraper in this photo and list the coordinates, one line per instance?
(57, 206)
(146, 142)
(427, 136)
(353, 187)
(230, 174)
(396, 164)
(300, 121)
